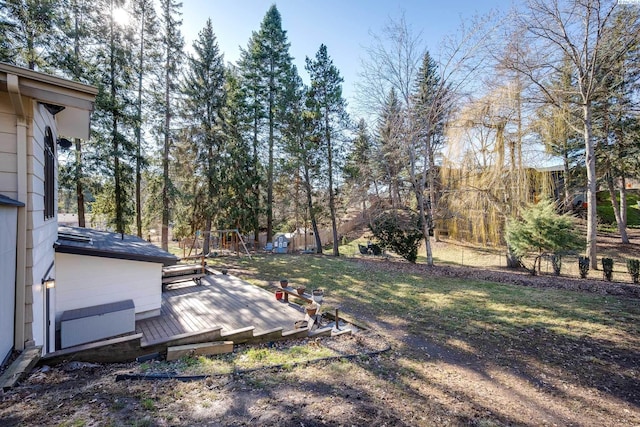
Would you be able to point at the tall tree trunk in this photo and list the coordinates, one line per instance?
(78, 143)
(622, 226)
(139, 132)
(433, 201)
(256, 186)
(312, 214)
(79, 186)
(419, 186)
(623, 202)
(115, 142)
(210, 203)
(270, 165)
(590, 161)
(206, 238)
(332, 201)
(565, 173)
(165, 161)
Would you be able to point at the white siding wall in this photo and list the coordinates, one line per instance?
(85, 281)
(41, 234)
(8, 163)
(8, 225)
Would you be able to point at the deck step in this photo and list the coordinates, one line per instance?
(172, 279)
(20, 367)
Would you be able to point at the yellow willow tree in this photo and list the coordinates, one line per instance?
(483, 169)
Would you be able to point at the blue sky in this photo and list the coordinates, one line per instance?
(344, 26)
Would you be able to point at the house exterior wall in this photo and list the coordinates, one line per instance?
(41, 233)
(85, 281)
(8, 225)
(8, 153)
(23, 121)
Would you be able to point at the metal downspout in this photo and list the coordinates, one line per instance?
(21, 241)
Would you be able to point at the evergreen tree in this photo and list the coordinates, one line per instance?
(358, 170)
(391, 155)
(241, 174)
(204, 100)
(26, 28)
(73, 58)
(250, 80)
(616, 120)
(329, 106)
(147, 44)
(172, 43)
(265, 65)
(430, 105)
(114, 115)
(542, 231)
(302, 145)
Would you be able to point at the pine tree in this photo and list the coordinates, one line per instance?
(146, 22)
(73, 57)
(358, 170)
(26, 30)
(204, 100)
(430, 105)
(540, 231)
(302, 145)
(391, 155)
(329, 106)
(172, 43)
(114, 115)
(250, 80)
(241, 174)
(264, 66)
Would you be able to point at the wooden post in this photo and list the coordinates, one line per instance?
(337, 320)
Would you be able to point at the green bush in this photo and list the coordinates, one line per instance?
(633, 267)
(542, 231)
(583, 266)
(399, 231)
(607, 268)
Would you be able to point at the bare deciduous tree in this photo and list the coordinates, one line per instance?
(574, 30)
(393, 62)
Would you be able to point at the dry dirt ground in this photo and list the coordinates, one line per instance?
(537, 379)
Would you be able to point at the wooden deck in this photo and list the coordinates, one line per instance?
(221, 301)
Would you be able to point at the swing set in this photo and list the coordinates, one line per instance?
(220, 242)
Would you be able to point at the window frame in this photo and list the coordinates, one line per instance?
(49, 175)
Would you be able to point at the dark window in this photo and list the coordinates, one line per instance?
(49, 175)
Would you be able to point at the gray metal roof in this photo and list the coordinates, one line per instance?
(7, 201)
(86, 241)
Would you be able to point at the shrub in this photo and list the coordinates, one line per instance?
(607, 268)
(556, 262)
(542, 231)
(633, 267)
(400, 231)
(583, 266)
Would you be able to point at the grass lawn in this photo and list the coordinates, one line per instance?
(451, 306)
(462, 352)
(486, 315)
(605, 210)
(555, 337)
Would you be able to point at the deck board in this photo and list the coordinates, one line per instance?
(221, 301)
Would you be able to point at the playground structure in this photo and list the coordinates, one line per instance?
(221, 242)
